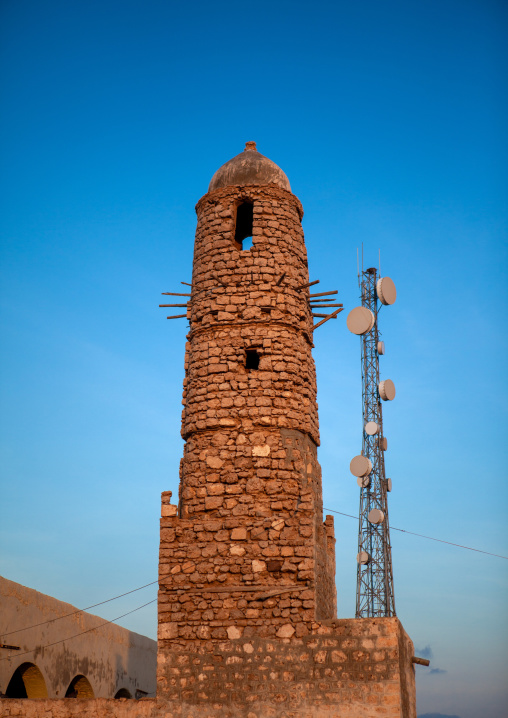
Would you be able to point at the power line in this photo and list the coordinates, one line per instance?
(79, 610)
(88, 630)
(431, 538)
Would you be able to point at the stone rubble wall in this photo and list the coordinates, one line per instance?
(250, 497)
(254, 569)
(237, 304)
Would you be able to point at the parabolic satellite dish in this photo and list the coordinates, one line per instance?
(376, 516)
(388, 484)
(386, 390)
(363, 558)
(371, 428)
(360, 320)
(381, 348)
(386, 290)
(363, 481)
(360, 466)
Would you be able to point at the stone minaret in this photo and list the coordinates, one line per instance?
(247, 567)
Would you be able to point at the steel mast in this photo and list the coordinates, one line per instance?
(374, 590)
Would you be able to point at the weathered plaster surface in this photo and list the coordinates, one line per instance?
(110, 657)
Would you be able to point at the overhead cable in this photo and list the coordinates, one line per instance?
(431, 538)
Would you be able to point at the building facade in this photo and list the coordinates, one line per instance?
(35, 661)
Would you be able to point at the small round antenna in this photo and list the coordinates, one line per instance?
(371, 428)
(376, 516)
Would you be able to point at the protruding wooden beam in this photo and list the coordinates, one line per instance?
(172, 305)
(175, 294)
(324, 315)
(330, 316)
(186, 284)
(177, 316)
(420, 661)
(324, 306)
(280, 280)
(324, 294)
(310, 284)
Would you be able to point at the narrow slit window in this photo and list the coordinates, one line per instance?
(252, 359)
(243, 229)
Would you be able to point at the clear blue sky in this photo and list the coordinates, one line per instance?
(390, 122)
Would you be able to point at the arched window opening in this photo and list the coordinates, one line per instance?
(27, 682)
(244, 223)
(123, 693)
(79, 687)
(252, 359)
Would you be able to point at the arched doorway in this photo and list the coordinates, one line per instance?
(79, 687)
(27, 682)
(123, 693)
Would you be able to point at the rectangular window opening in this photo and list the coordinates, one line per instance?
(252, 359)
(244, 222)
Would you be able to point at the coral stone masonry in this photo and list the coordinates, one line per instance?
(247, 601)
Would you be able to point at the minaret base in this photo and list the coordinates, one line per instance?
(346, 668)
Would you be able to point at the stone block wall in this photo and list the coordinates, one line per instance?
(349, 668)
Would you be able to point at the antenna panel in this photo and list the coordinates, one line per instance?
(383, 443)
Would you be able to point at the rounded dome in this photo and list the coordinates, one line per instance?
(249, 167)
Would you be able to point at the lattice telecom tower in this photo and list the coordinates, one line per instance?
(374, 589)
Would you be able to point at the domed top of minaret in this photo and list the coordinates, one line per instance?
(249, 167)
